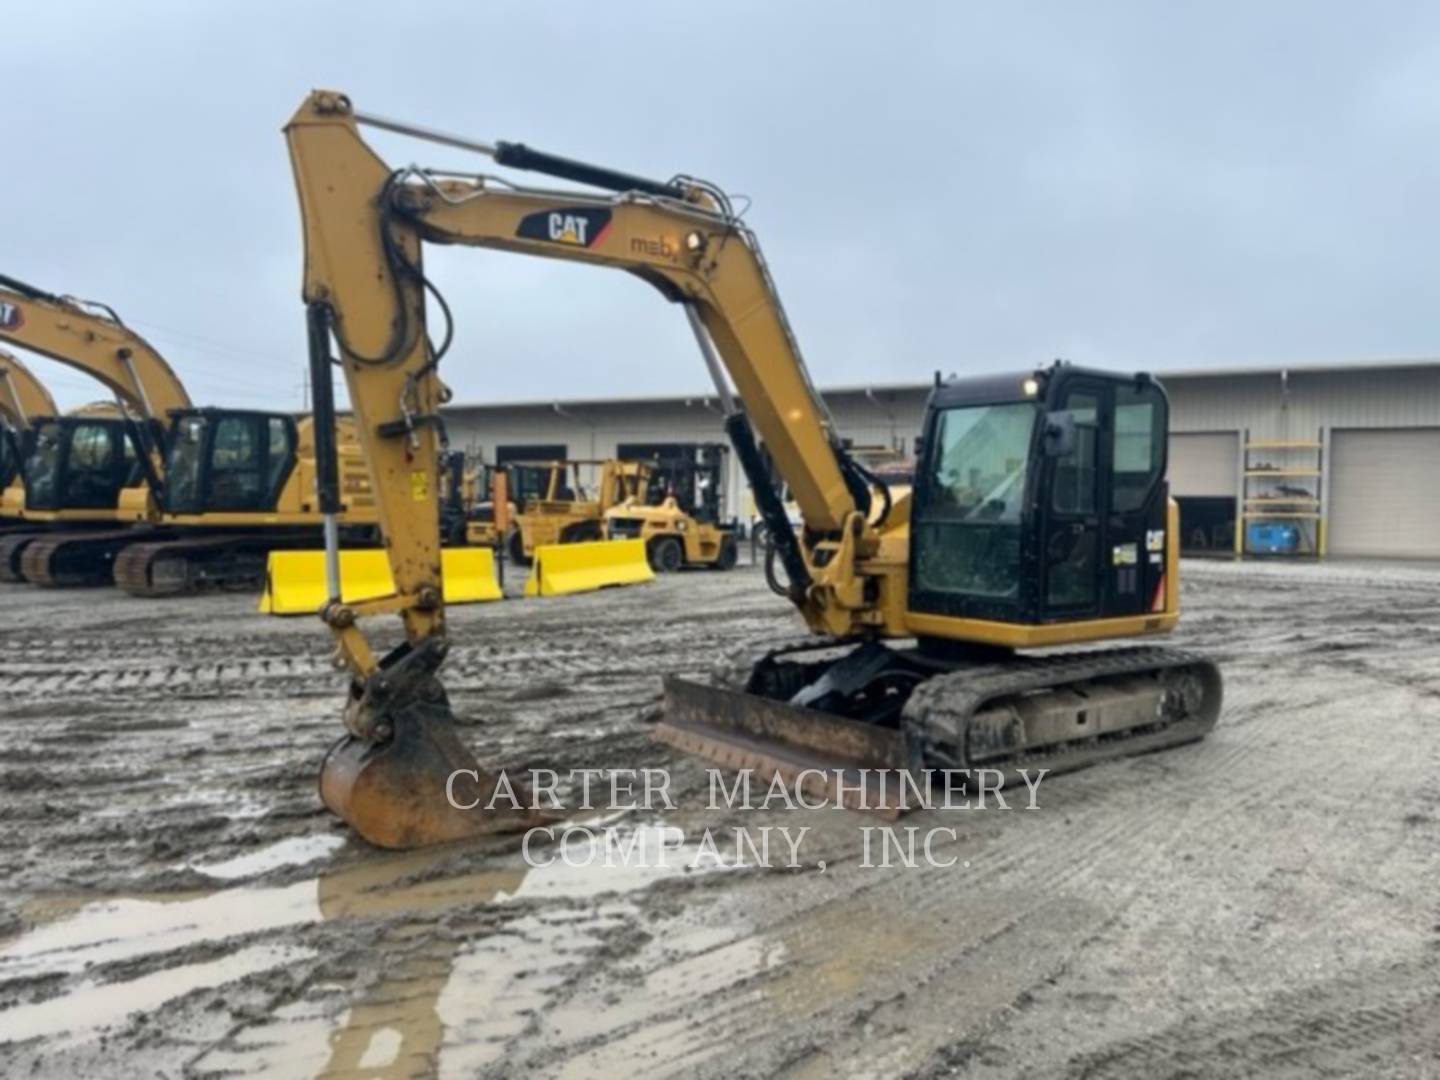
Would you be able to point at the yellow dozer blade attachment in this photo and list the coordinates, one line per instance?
(826, 757)
(559, 569)
(295, 580)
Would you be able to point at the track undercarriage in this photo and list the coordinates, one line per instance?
(198, 563)
(820, 721)
(148, 562)
(67, 556)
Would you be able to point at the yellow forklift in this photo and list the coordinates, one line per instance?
(680, 518)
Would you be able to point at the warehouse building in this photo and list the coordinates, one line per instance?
(1336, 459)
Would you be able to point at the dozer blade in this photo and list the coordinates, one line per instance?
(826, 756)
(295, 580)
(411, 782)
(561, 569)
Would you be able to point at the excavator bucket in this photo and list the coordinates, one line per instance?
(408, 781)
(295, 580)
(558, 569)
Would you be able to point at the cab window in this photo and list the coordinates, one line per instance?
(1139, 448)
(237, 480)
(282, 452)
(92, 470)
(1075, 474)
(183, 465)
(967, 538)
(1072, 546)
(43, 451)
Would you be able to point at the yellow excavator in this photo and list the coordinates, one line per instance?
(89, 468)
(23, 399)
(195, 497)
(1039, 515)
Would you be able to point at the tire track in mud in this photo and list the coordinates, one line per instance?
(1016, 872)
(193, 712)
(1127, 829)
(1266, 842)
(1322, 1030)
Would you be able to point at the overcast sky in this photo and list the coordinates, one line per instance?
(966, 187)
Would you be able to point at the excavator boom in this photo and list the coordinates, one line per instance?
(22, 396)
(91, 338)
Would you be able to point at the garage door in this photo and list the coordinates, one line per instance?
(1204, 464)
(1382, 493)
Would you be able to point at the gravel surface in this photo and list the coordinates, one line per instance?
(177, 902)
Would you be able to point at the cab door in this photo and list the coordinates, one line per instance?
(1136, 493)
(1073, 533)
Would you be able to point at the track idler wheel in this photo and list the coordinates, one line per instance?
(402, 778)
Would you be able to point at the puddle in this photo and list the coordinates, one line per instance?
(102, 1005)
(460, 1009)
(122, 929)
(296, 851)
(466, 1009)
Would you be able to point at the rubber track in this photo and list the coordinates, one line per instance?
(37, 561)
(10, 543)
(132, 565)
(948, 702)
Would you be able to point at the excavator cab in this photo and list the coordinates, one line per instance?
(1041, 498)
(78, 463)
(227, 461)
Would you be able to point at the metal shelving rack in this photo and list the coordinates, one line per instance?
(1270, 467)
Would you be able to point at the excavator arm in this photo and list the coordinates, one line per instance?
(365, 224)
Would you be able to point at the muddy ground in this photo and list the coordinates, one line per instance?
(178, 904)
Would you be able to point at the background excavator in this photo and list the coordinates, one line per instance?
(196, 497)
(89, 468)
(1039, 516)
(23, 398)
